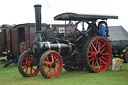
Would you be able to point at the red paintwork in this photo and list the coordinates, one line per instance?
(99, 46)
(27, 67)
(50, 70)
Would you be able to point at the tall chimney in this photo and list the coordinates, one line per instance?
(38, 22)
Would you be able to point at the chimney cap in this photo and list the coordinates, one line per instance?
(37, 5)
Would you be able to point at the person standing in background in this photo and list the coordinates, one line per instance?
(103, 30)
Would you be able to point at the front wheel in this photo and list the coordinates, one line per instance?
(50, 64)
(97, 54)
(26, 66)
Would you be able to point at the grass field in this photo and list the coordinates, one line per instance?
(11, 76)
(2, 58)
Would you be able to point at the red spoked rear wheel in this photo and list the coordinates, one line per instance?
(97, 54)
(26, 66)
(50, 64)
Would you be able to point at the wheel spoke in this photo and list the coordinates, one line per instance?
(45, 66)
(103, 57)
(94, 47)
(48, 70)
(54, 70)
(90, 52)
(91, 59)
(47, 59)
(95, 63)
(102, 51)
(26, 59)
(25, 67)
(96, 44)
(27, 56)
(99, 45)
(34, 69)
(31, 59)
(89, 56)
(102, 46)
(103, 61)
(30, 69)
(46, 62)
(24, 63)
(57, 62)
(91, 48)
(105, 53)
(52, 58)
(92, 63)
(98, 65)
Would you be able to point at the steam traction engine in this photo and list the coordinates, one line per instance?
(83, 49)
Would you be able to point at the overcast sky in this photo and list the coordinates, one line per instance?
(22, 11)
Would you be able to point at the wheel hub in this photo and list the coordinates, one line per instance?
(53, 65)
(98, 55)
(29, 63)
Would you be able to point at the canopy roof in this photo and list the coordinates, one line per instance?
(77, 17)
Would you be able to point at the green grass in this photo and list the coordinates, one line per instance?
(11, 76)
(2, 58)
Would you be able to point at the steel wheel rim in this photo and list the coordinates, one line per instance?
(27, 67)
(99, 55)
(52, 65)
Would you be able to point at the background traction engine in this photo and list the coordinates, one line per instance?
(49, 57)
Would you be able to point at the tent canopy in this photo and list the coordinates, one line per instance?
(118, 37)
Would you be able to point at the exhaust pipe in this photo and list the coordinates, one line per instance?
(38, 22)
